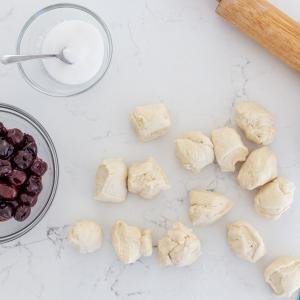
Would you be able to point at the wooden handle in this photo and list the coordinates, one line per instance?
(267, 25)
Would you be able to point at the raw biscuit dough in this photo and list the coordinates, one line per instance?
(259, 169)
(111, 177)
(207, 207)
(229, 148)
(179, 247)
(130, 242)
(274, 198)
(256, 122)
(283, 275)
(245, 241)
(147, 179)
(151, 121)
(85, 236)
(195, 151)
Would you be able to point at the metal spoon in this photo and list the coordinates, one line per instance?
(8, 59)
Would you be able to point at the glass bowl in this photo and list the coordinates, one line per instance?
(13, 117)
(30, 42)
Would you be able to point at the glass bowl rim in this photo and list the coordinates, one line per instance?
(58, 6)
(42, 131)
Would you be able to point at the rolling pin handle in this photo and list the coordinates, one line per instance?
(267, 25)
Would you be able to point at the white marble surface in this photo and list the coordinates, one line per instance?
(181, 53)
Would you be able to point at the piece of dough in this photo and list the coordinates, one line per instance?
(274, 198)
(111, 177)
(130, 242)
(195, 151)
(259, 169)
(147, 179)
(207, 207)
(85, 236)
(151, 121)
(179, 247)
(245, 241)
(256, 122)
(229, 148)
(283, 275)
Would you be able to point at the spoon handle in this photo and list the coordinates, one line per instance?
(8, 59)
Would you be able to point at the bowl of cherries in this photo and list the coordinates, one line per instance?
(28, 172)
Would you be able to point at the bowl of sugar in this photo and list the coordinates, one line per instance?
(86, 43)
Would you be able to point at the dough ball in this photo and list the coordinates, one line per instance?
(131, 243)
(256, 122)
(85, 236)
(179, 247)
(151, 121)
(245, 241)
(274, 198)
(259, 169)
(229, 148)
(111, 177)
(147, 179)
(283, 275)
(208, 207)
(195, 151)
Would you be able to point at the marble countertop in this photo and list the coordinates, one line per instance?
(181, 53)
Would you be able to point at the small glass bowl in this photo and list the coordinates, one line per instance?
(30, 42)
(13, 117)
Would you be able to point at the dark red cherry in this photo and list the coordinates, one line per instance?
(6, 149)
(31, 148)
(33, 185)
(3, 130)
(30, 145)
(28, 139)
(23, 160)
(6, 211)
(5, 167)
(28, 199)
(7, 192)
(39, 167)
(22, 212)
(15, 136)
(17, 177)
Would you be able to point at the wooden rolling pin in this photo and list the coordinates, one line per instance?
(267, 25)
